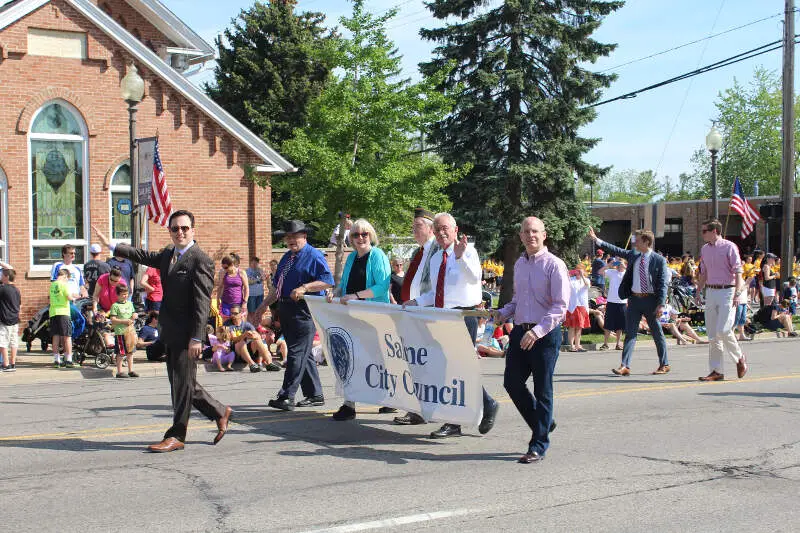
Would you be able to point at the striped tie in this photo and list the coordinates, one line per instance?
(642, 275)
(285, 271)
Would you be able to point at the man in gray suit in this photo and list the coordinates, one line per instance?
(644, 285)
(418, 279)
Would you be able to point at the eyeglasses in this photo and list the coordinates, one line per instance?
(112, 278)
(362, 235)
(176, 229)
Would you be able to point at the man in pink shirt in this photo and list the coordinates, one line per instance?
(721, 277)
(541, 295)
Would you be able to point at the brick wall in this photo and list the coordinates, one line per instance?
(204, 166)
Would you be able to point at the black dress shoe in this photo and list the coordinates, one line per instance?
(447, 430)
(489, 415)
(531, 457)
(387, 410)
(284, 404)
(553, 426)
(313, 401)
(345, 412)
(409, 419)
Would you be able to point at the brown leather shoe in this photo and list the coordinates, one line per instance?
(167, 445)
(713, 376)
(662, 369)
(531, 457)
(222, 425)
(741, 367)
(621, 371)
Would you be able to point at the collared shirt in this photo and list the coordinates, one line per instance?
(541, 292)
(309, 265)
(462, 279)
(181, 251)
(416, 282)
(721, 262)
(637, 284)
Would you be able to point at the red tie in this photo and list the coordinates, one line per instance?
(439, 302)
(405, 290)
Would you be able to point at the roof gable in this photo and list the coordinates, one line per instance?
(173, 27)
(273, 161)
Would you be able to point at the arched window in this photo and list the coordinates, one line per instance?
(3, 216)
(120, 204)
(59, 157)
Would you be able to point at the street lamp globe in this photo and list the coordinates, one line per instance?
(132, 86)
(714, 140)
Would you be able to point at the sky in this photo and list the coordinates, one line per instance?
(658, 130)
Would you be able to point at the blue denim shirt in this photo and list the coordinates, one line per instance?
(309, 265)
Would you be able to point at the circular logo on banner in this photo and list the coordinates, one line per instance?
(124, 206)
(340, 348)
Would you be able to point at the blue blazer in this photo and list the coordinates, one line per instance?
(657, 270)
(379, 274)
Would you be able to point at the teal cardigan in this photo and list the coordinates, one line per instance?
(379, 274)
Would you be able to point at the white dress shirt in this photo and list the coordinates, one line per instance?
(637, 285)
(462, 279)
(417, 280)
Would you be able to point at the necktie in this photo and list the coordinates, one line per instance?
(175, 256)
(405, 290)
(439, 302)
(285, 271)
(642, 275)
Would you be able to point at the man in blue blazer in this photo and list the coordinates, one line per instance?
(645, 287)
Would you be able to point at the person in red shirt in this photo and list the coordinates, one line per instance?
(151, 282)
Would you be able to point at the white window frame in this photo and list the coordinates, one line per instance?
(84, 140)
(111, 207)
(3, 216)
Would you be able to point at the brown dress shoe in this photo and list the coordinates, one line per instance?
(170, 444)
(621, 371)
(741, 367)
(713, 376)
(531, 457)
(662, 370)
(222, 425)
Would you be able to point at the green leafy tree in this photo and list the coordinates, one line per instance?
(521, 88)
(272, 63)
(358, 152)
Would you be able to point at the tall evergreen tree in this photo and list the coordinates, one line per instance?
(521, 90)
(272, 63)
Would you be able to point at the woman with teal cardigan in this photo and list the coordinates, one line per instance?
(366, 276)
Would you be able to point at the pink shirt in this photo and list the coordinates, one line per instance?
(541, 292)
(720, 262)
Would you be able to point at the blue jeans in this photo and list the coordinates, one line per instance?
(539, 361)
(639, 306)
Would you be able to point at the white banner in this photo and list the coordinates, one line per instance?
(420, 360)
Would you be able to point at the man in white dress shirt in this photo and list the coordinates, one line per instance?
(456, 284)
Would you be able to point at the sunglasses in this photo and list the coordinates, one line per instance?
(176, 229)
(363, 234)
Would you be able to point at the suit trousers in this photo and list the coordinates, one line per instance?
(639, 306)
(301, 369)
(539, 361)
(187, 392)
(720, 313)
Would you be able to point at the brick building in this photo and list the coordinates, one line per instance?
(64, 130)
(682, 222)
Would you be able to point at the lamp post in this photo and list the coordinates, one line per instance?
(714, 144)
(132, 90)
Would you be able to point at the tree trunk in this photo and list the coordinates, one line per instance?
(510, 255)
(337, 271)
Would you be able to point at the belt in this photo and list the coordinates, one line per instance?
(642, 294)
(466, 308)
(527, 326)
(709, 286)
(286, 300)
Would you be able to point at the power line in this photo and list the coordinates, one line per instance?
(755, 52)
(656, 54)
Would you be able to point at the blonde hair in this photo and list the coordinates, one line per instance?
(223, 335)
(363, 225)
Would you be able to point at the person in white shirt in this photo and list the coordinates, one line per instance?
(76, 284)
(578, 309)
(456, 284)
(348, 224)
(615, 307)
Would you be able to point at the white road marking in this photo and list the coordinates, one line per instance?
(397, 521)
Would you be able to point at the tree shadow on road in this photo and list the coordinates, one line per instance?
(789, 395)
(75, 445)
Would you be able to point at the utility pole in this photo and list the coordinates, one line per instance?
(788, 161)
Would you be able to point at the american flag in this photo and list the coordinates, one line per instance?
(740, 204)
(160, 207)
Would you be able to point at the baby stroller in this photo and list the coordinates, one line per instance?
(92, 342)
(39, 326)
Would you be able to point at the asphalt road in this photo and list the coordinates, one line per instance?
(643, 453)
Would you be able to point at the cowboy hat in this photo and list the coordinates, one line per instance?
(292, 226)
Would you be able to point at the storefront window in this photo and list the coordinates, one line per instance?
(58, 183)
(120, 205)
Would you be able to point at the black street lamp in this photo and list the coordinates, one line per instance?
(132, 90)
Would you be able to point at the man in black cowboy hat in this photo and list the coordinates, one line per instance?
(302, 270)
